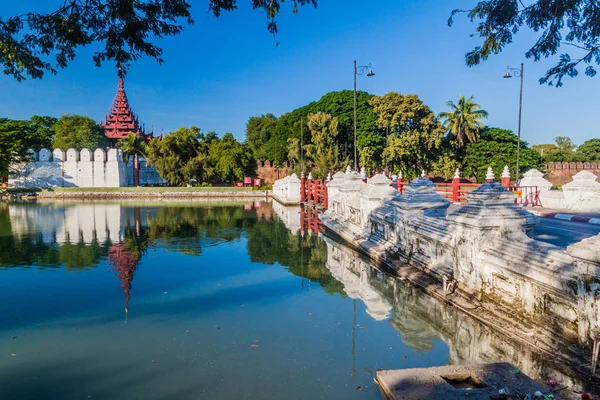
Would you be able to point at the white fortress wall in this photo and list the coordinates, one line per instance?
(85, 168)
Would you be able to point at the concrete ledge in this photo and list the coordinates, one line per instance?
(284, 202)
(476, 382)
(151, 194)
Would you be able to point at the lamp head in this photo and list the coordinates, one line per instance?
(370, 73)
(507, 75)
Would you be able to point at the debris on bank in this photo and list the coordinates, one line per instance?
(474, 382)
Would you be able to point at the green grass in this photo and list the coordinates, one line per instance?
(149, 189)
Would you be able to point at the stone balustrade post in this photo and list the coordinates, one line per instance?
(489, 176)
(505, 177)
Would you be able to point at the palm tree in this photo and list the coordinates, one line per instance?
(133, 145)
(464, 121)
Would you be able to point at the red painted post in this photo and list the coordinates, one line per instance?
(456, 186)
(456, 189)
(302, 188)
(326, 197)
(310, 186)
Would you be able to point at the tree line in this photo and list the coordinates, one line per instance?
(180, 157)
(564, 150)
(395, 132)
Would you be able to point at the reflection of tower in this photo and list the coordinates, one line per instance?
(124, 262)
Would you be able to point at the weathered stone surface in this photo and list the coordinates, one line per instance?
(287, 190)
(429, 383)
(533, 177)
(583, 193)
(420, 198)
(493, 206)
(481, 249)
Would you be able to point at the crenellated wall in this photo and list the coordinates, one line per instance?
(269, 173)
(560, 173)
(483, 249)
(82, 168)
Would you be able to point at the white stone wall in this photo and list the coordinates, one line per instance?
(483, 248)
(582, 194)
(71, 169)
(287, 190)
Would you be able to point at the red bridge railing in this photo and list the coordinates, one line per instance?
(309, 221)
(456, 191)
(313, 190)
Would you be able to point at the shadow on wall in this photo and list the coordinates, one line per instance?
(72, 168)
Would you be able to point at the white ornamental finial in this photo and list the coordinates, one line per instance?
(505, 172)
(348, 170)
(363, 172)
(400, 175)
(423, 174)
(302, 174)
(489, 176)
(310, 176)
(457, 174)
(329, 177)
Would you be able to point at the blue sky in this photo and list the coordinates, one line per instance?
(221, 71)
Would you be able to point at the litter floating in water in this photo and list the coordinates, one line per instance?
(515, 371)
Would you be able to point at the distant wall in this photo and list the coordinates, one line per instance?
(72, 168)
(266, 171)
(560, 173)
(148, 175)
(84, 168)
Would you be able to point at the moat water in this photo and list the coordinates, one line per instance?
(194, 300)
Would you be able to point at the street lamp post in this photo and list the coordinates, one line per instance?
(358, 71)
(517, 72)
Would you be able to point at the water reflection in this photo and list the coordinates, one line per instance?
(422, 320)
(327, 312)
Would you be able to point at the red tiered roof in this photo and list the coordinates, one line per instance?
(121, 121)
(124, 264)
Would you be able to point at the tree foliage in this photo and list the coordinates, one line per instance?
(573, 23)
(259, 131)
(322, 149)
(341, 106)
(188, 154)
(564, 143)
(415, 132)
(78, 132)
(17, 136)
(496, 148)
(464, 120)
(176, 156)
(589, 150)
(230, 159)
(123, 30)
(133, 145)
